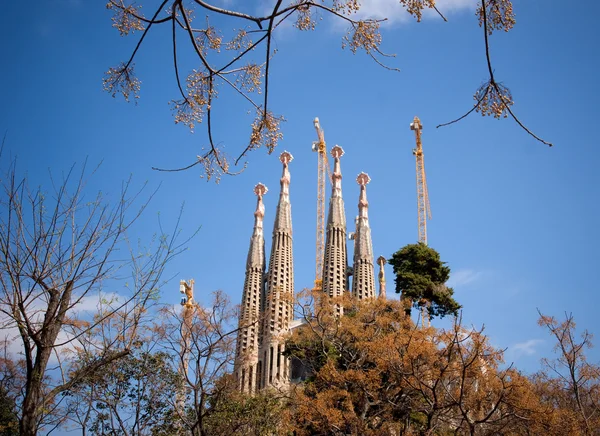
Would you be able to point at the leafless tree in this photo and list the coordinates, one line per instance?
(202, 343)
(569, 382)
(58, 250)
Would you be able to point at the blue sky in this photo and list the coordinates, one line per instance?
(515, 220)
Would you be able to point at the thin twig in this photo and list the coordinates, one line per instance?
(220, 70)
(175, 60)
(212, 8)
(242, 93)
(138, 45)
(465, 115)
(440, 14)
(269, 38)
(382, 64)
(514, 117)
(193, 40)
(141, 17)
(200, 158)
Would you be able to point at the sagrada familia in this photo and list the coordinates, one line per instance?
(266, 315)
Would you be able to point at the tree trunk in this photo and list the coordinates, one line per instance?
(53, 320)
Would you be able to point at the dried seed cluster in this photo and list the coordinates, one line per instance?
(266, 131)
(240, 42)
(304, 21)
(121, 80)
(125, 18)
(499, 15)
(191, 110)
(415, 7)
(492, 102)
(363, 35)
(250, 78)
(209, 39)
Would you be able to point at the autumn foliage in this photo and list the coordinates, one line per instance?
(375, 372)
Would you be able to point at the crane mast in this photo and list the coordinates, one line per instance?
(322, 172)
(423, 207)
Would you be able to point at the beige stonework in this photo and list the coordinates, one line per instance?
(246, 358)
(335, 263)
(266, 314)
(363, 281)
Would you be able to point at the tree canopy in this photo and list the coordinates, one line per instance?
(375, 372)
(421, 279)
(59, 249)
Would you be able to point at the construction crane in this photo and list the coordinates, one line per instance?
(422, 194)
(323, 171)
(422, 202)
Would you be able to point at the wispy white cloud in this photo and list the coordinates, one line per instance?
(84, 309)
(396, 13)
(527, 348)
(92, 302)
(455, 5)
(391, 10)
(463, 277)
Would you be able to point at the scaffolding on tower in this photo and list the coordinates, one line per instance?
(187, 312)
(188, 303)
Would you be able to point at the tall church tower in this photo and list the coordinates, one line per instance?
(246, 355)
(279, 292)
(335, 262)
(363, 282)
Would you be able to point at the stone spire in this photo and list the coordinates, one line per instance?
(246, 357)
(363, 283)
(335, 262)
(279, 296)
(381, 261)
